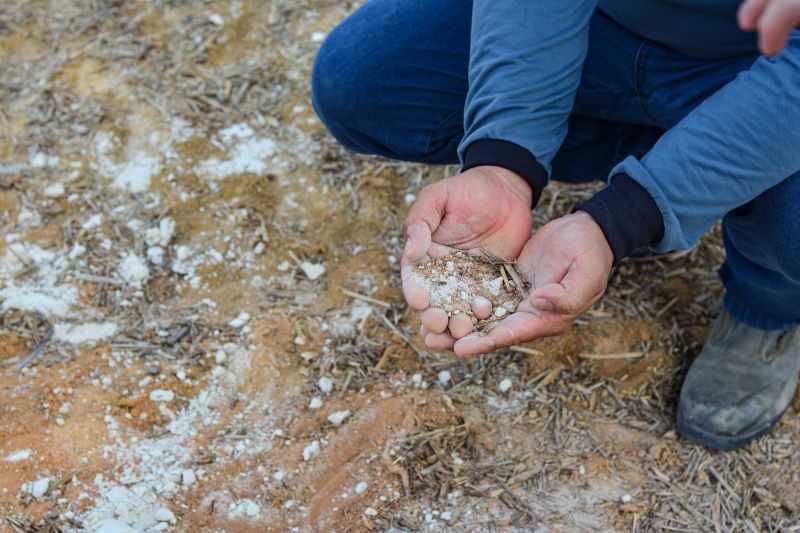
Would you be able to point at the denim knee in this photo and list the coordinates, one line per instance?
(343, 84)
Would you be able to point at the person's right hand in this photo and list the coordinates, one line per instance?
(483, 207)
(773, 19)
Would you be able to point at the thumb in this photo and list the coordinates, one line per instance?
(575, 293)
(422, 220)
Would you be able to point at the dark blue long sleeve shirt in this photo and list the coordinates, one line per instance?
(525, 67)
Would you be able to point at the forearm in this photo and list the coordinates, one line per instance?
(737, 144)
(525, 66)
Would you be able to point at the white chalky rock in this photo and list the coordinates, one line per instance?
(311, 450)
(316, 403)
(444, 377)
(240, 320)
(188, 477)
(252, 509)
(505, 385)
(500, 312)
(626, 498)
(37, 488)
(216, 19)
(114, 526)
(55, 190)
(361, 487)
(369, 511)
(134, 270)
(161, 395)
(220, 357)
(325, 385)
(163, 514)
(312, 270)
(19, 455)
(338, 417)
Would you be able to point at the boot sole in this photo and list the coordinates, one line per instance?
(724, 443)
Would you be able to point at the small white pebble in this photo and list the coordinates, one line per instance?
(312, 270)
(416, 378)
(338, 417)
(450, 266)
(188, 477)
(409, 198)
(216, 19)
(220, 357)
(446, 516)
(325, 384)
(316, 403)
(369, 511)
(500, 311)
(55, 190)
(626, 498)
(278, 475)
(361, 487)
(252, 509)
(259, 248)
(161, 395)
(317, 37)
(505, 385)
(311, 450)
(581, 470)
(163, 514)
(444, 377)
(240, 320)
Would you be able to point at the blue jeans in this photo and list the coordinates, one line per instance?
(391, 80)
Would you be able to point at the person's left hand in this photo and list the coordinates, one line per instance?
(774, 20)
(567, 262)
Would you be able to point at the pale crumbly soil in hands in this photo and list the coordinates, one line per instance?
(219, 340)
(456, 281)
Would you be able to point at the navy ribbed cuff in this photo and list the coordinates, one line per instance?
(508, 155)
(627, 214)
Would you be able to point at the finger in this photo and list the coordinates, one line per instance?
(422, 219)
(749, 13)
(577, 291)
(482, 308)
(416, 295)
(460, 325)
(435, 320)
(516, 329)
(418, 241)
(774, 26)
(439, 341)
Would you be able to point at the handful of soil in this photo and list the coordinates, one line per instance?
(458, 280)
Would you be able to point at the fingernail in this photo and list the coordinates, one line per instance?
(409, 246)
(543, 304)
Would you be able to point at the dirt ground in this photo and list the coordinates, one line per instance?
(202, 327)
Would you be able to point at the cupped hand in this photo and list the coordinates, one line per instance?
(567, 262)
(774, 20)
(484, 207)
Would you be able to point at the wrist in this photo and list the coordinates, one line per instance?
(510, 156)
(510, 181)
(600, 236)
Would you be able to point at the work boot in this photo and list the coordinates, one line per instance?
(740, 384)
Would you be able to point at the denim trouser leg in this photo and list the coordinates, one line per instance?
(762, 271)
(391, 80)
